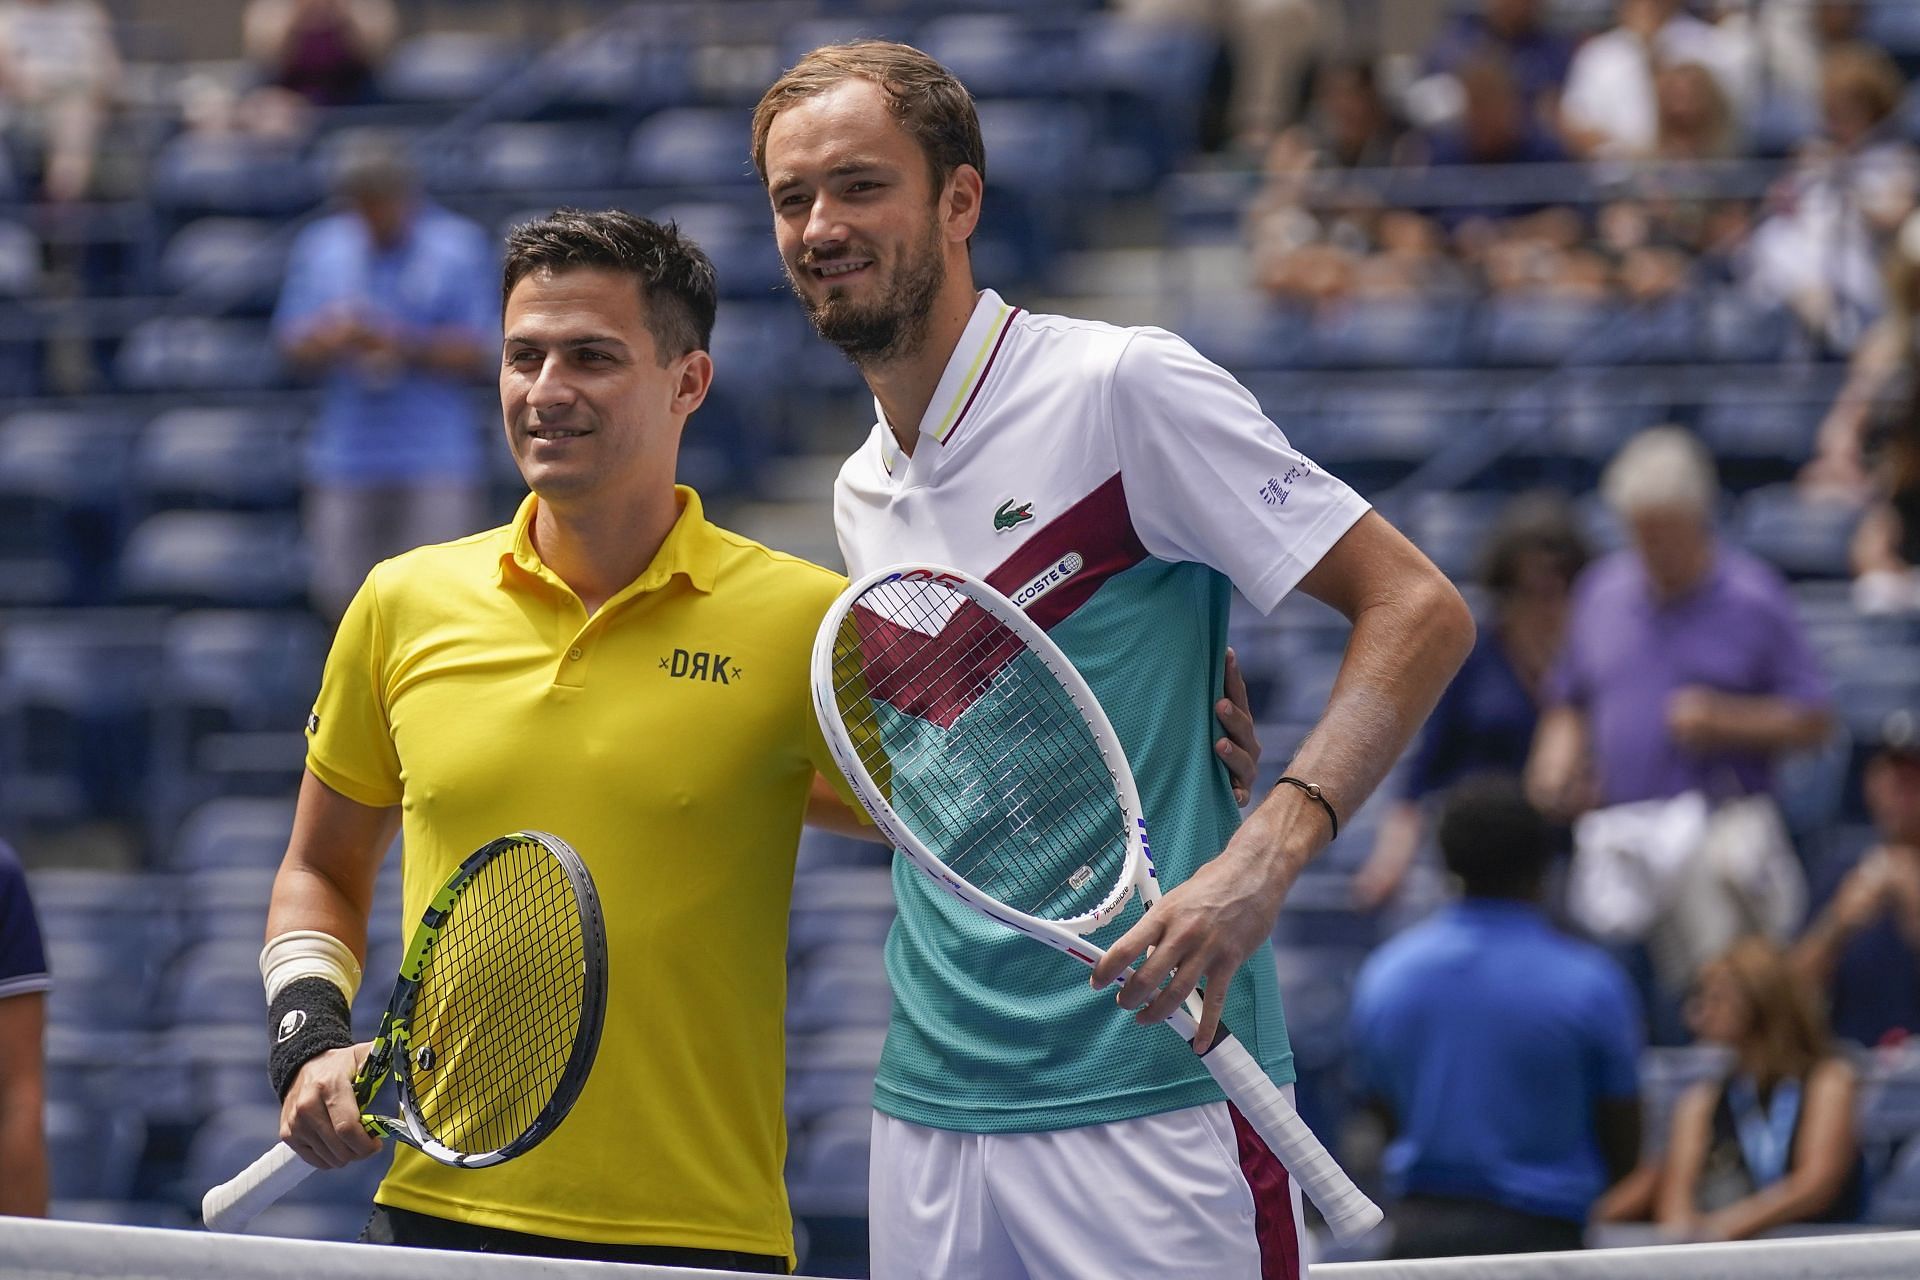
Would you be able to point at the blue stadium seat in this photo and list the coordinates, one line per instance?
(1803, 538)
(1893, 1198)
(1390, 334)
(233, 831)
(620, 73)
(827, 1167)
(214, 982)
(1542, 330)
(254, 669)
(131, 918)
(839, 986)
(240, 261)
(740, 241)
(93, 1154)
(227, 904)
(1737, 329)
(198, 173)
(97, 987)
(542, 157)
(237, 458)
(1374, 437)
(1247, 332)
(999, 55)
(62, 481)
(1150, 80)
(840, 904)
(696, 147)
(73, 736)
(194, 353)
(214, 558)
(1760, 433)
(832, 1069)
(19, 261)
(449, 67)
(1451, 527)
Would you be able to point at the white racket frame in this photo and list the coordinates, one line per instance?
(1347, 1210)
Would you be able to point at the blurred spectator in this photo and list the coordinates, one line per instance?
(392, 300)
(23, 1020)
(58, 69)
(1313, 234)
(1863, 949)
(1268, 45)
(1773, 1142)
(1484, 721)
(1886, 545)
(1771, 51)
(1821, 246)
(1611, 106)
(1686, 668)
(326, 51)
(1504, 1053)
(1512, 32)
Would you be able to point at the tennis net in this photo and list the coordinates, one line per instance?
(84, 1251)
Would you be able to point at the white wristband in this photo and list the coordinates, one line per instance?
(308, 953)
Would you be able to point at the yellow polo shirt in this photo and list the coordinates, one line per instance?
(669, 738)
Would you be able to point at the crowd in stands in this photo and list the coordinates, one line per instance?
(1672, 799)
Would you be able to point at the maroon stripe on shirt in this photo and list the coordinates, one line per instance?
(933, 677)
(1098, 529)
(1273, 1220)
(981, 381)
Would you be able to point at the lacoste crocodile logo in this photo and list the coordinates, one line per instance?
(1010, 516)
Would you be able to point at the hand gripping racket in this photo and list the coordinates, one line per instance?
(492, 1025)
(983, 756)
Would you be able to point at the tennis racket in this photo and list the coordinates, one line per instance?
(983, 756)
(492, 1025)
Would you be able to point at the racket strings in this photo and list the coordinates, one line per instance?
(500, 1003)
(980, 749)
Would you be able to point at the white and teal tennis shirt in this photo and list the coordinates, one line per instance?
(1117, 485)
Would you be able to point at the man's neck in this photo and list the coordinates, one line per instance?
(598, 549)
(905, 386)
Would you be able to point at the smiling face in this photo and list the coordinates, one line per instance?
(591, 412)
(868, 243)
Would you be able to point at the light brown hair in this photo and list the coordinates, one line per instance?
(1786, 1026)
(925, 97)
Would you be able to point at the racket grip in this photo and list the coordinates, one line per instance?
(1346, 1208)
(233, 1204)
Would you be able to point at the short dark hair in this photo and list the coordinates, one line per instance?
(927, 99)
(1493, 839)
(1535, 524)
(675, 276)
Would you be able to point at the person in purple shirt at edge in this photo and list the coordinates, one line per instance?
(1485, 720)
(392, 303)
(23, 1022)
(1685, 668)
(1502, 1054)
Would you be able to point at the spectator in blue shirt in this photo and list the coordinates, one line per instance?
(1484, 722)
(1502, 1053)
(390, 302)
(1514, 31)
(23, 1021)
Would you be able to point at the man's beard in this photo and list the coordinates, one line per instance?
(890, 328)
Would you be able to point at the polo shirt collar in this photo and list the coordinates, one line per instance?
(966, 370)
(691, 549)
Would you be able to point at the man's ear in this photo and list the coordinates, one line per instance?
(960, 203)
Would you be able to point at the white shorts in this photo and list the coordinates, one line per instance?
(1187, 1193)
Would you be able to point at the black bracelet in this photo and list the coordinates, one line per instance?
(1313, 789)
(307, 1018)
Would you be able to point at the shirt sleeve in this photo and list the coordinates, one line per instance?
(1217, 482)
(1615, 1024)
(23, 952)
(349, 737)
(315, 282)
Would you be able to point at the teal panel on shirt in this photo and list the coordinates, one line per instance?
(992, 1032)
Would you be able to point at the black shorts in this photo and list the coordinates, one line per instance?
(412, 1230)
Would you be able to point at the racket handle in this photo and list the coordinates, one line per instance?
(233, 1204)
(1346, 1208)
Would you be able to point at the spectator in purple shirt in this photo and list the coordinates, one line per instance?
(1686, 668)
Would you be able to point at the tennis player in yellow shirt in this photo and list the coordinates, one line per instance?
(614, 668)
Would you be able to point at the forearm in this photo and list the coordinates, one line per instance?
(1759, 722)
(1796, 1198)
(306, 897)
(1817, 954)
(1403, 651)
(23, 1154)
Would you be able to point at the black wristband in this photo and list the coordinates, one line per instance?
(307, 1018)
(1313, 789)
